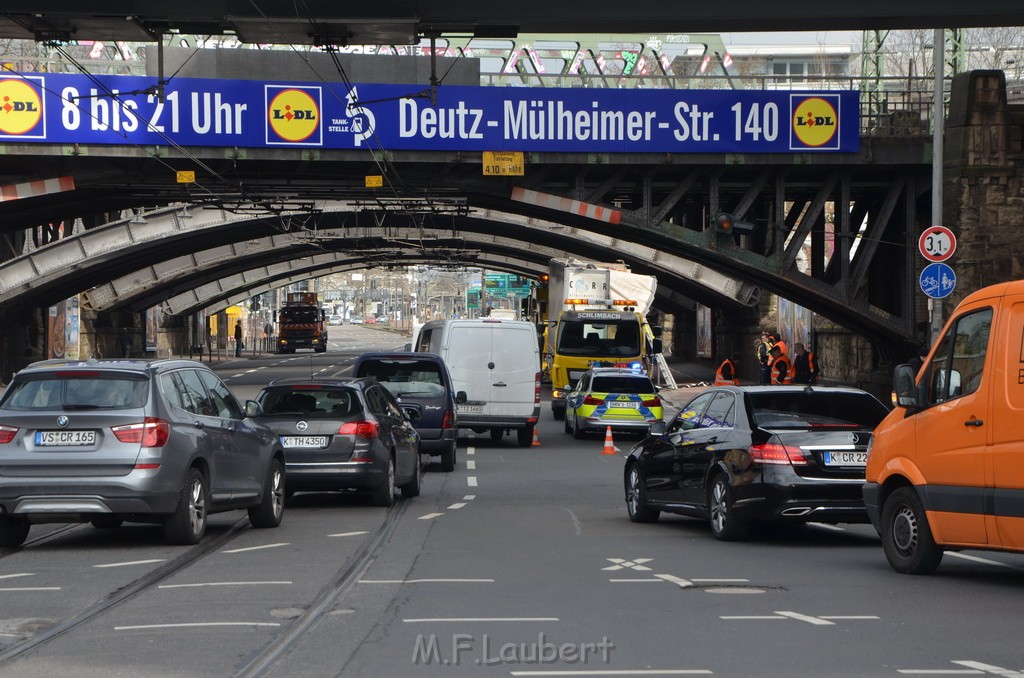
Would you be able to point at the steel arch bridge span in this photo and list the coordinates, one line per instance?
(94, 257)
(237, 288)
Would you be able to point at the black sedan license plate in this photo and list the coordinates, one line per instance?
(846, 458)
(315, 442)
(65, 438)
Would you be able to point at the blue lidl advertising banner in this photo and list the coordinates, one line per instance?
(57, 108)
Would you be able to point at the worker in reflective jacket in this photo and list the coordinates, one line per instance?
(805, 366)
(726, 374)
(779, 363)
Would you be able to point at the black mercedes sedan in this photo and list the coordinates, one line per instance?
(738, 455)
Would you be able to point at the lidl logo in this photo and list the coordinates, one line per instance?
(815, 122)
(293, 115)
(21, 107)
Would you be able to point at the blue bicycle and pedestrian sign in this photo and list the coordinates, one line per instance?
(938, 280)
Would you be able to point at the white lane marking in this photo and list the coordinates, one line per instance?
(683, 583)
(240, 374)
(457, 505)
(622, 563)
(635, 580)
(976, 559)
(733, 590)
(841, 617)
(941, 672)
(753, 616)
(471, 481)
(722, 581)
(426, 581)
(143, 627)
(132, 562)
(225, 583)
(470, 465)
(618, 672)
(31, 588)
(816, 621)
(576, 525)
(430, 515)
(470, 450)
(826, 526)
(987, 667)
(20, 574)
(428, 620)
(469, 497)
(257, 548)
(250, 371)
(348, 534)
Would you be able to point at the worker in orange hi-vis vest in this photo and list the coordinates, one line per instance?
(779, 367)
(777, 341)
(727, 374)
(804, 369)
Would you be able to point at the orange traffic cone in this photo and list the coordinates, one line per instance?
(609, 444)
(536, 440)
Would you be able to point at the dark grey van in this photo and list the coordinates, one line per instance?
(421, 383)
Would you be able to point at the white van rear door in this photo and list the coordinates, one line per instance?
(467, 354)
(516, 363)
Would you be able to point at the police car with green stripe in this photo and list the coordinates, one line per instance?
(624, 398)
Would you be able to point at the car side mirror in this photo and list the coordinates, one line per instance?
(253, 408)
(903, 386)
(407, 347)
(656, 345)
(461, 397)
(567, 387)
(657, 428)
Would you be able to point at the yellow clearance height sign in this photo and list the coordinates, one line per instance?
(20, 107)
(504, 164)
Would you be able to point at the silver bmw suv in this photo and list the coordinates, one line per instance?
(109, 441)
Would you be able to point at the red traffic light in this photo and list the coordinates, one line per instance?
(726, 224)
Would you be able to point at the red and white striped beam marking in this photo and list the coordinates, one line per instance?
(583, 209)
(31, 189)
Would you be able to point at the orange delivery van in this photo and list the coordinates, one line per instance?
(945, 469)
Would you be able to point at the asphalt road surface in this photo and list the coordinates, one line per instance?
(521, 562)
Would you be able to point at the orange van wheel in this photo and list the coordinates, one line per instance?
(906, 535)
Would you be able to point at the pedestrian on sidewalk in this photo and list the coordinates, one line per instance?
(727, 374)
(805, 366)
(124, 342)
(763, 347)
(238, 339)
(779, 367)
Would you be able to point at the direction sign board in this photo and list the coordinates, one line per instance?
(937, 243)
(938, 280)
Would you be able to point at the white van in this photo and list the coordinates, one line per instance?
(497, 363)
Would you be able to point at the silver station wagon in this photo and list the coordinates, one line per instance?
(109, 441)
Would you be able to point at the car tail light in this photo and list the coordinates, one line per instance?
(7, 434)
(363, 429)
(591, 400)
(449, 420)
(653, 402)
(152, 432)
(536, 389)
(146, 467)
(774, 453)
